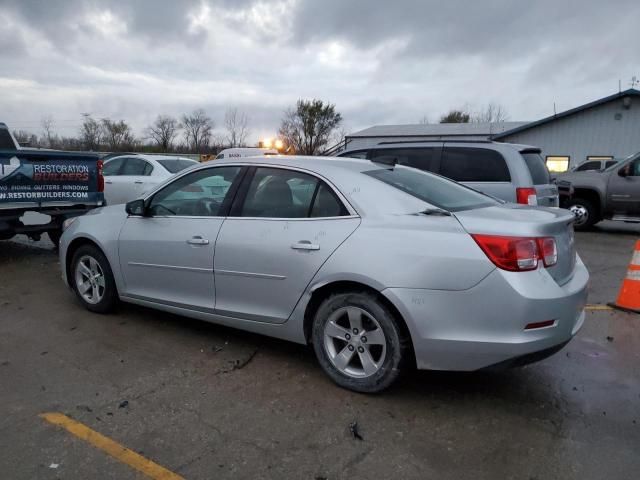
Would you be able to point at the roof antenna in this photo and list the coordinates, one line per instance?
(554, 109)
(634, 81)
(619, 86)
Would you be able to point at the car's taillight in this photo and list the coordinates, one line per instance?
(548, 251)
(527, 196)
(100, 177)
(518, 254)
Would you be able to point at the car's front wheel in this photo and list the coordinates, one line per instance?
(92, 279)
(358, 341)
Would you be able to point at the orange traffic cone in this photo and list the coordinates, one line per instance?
(629, 297)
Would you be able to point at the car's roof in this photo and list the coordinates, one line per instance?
(321, 165)
(457, 143)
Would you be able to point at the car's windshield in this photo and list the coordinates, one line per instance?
(174, 165)
(434, 189)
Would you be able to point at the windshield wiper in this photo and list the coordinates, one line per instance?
(435, 211)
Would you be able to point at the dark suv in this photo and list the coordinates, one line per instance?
(514, 173)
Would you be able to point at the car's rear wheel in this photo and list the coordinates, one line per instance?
(358, 342)
(93, 279)
(585, 213)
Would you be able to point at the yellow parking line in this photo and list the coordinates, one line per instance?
(117, 451)
(598, 307)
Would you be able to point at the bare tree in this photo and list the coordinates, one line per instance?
(492, 113)
(456, 116)
(308, 128)
(236, 124)
(218, 142)
(48, 126)
(90, 133)
(25, 139)
(163, 131)
(117, 135)
(198, 128)
(338, 136)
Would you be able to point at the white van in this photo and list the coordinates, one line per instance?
(245, 152)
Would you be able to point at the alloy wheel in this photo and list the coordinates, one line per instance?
(355, 342)
(90, 280)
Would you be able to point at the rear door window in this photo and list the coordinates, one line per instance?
(537, 168)
(136, 167)
(421, 158)
(592, 165)
(474, 165)
(281, 193)
(610, 163)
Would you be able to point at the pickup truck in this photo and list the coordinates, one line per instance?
(613, 194)
(57, 185)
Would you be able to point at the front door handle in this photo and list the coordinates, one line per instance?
(197, 240)
(108, 181)
(305, 245)
(138, 182)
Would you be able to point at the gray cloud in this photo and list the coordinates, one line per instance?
(378, 61)
(457, 27)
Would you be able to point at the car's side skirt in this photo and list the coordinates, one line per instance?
(291, 330)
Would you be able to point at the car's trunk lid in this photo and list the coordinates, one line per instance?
(522, 221)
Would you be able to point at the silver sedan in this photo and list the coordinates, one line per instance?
(378, 266)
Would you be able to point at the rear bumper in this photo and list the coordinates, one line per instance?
(485, 325)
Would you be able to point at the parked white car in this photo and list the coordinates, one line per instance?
(128, 177)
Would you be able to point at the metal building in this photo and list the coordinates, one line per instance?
(603, 129)
(438, 131)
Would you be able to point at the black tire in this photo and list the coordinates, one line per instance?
(54, 236)
(396, 342)
(109, 298)
(590, 215)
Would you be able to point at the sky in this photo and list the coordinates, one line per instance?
(379, 62)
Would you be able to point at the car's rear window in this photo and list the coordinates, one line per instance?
(537, 168)
(474, 165)
(434, 189)
(176, 165)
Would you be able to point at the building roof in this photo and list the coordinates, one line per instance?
(632, 92)
(437, 129)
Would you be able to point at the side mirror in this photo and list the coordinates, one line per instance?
(625, 171)
(136, 208)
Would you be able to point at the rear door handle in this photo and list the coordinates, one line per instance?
(197, 240)
(108, 181)
(305, 245)
(139, 182)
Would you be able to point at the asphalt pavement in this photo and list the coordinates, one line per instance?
(208, 402)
